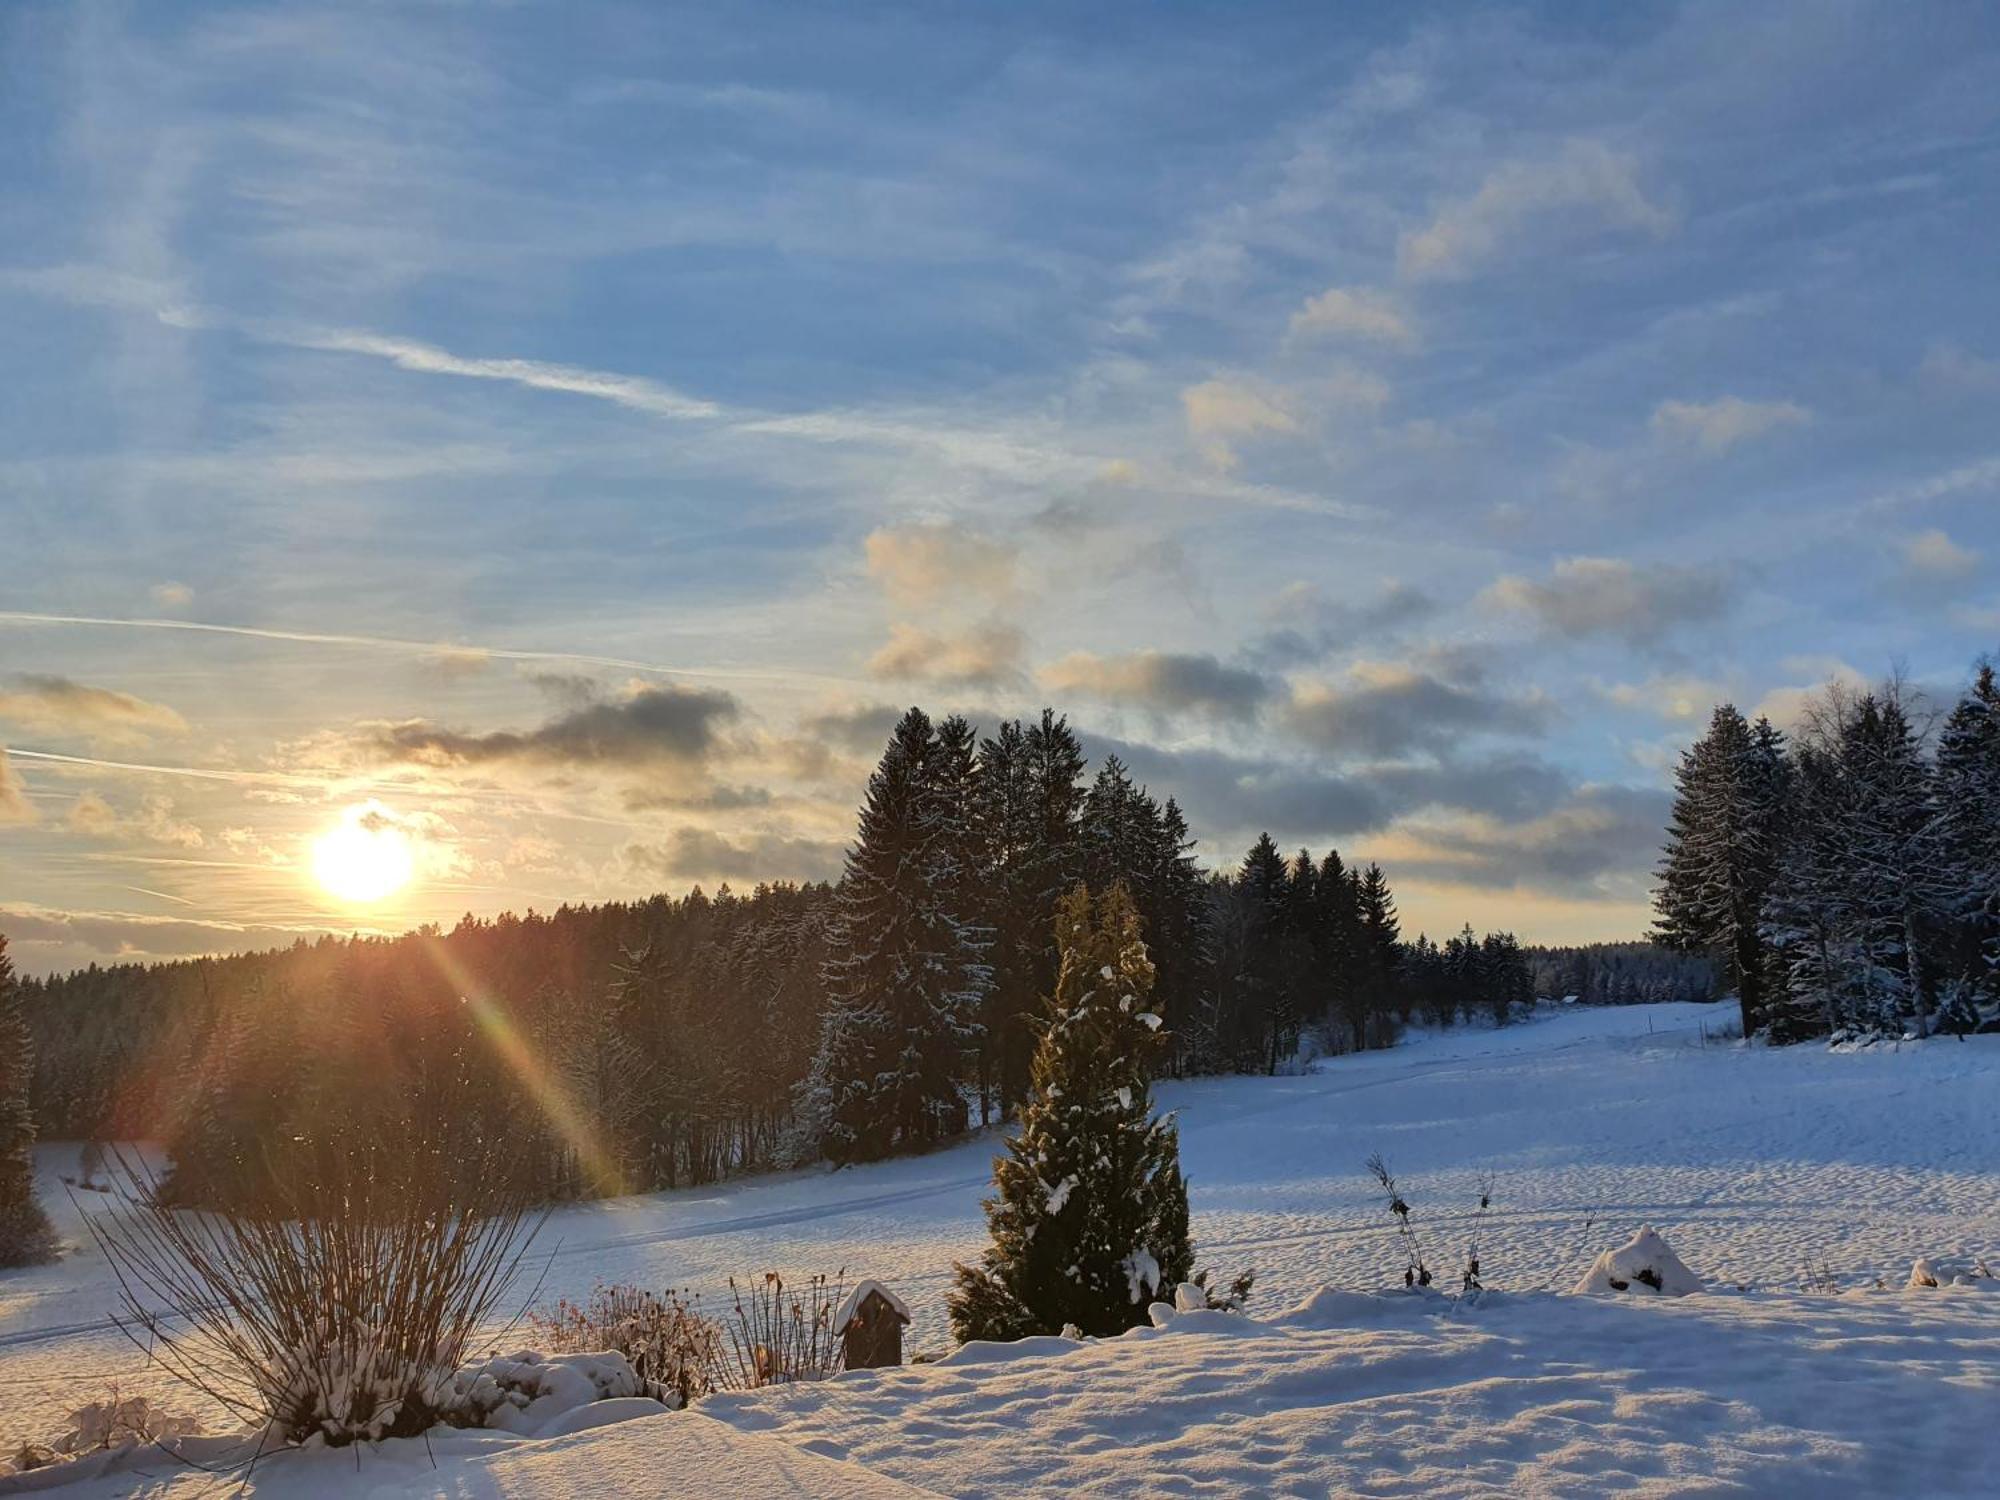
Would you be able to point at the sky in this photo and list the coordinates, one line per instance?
(566, 435)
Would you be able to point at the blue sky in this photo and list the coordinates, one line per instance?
(1394, 426)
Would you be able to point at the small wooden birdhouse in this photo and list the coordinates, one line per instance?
(871, 1326)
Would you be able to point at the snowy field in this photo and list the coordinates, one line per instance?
(1752, 1163)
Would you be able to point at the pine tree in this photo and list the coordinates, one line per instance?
(1724, 842)
(1178, 936)
(1337, 931)
(26, 1237)
(1968, 829)
(1089, 1216)
(905, 974)
(1031, 811)
(1381, 935)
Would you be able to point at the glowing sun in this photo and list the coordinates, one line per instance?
(365, 857)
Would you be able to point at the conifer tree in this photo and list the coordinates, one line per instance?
(1968, 803)
(1089, 1216)
(25, 1234)
(905, 973)
(1178, 937)
(1381, 935)
(1032, 806)
(1724, 842)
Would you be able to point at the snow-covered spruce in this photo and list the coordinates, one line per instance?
(1090, 1215)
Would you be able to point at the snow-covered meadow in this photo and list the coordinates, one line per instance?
(1754, 1164)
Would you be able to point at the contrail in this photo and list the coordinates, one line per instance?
(199, 773)
(421, 648)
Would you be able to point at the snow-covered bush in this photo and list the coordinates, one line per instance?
(526, 1391)
(674, 1350)
(338, 1308)
(115, 1422)
(1643, 1264)
(1926, 1274)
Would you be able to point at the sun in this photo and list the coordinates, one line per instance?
(365, 857)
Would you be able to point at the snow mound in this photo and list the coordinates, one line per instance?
(1926, 1273)
(1646, 1264)
(527, 1392)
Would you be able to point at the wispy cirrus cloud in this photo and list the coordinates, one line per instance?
(1584, 186)
(1726, 422)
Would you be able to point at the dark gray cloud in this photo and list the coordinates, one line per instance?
(1162, 682)
(703, 854)
(1306, 626)
(1590, 597)
(1388, 711)
(653, 726)
(1601, 840)
(1527, 822)
(862, 729)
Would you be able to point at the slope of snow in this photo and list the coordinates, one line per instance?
(1750, 1162)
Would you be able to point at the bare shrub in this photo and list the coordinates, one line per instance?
(1415, 1272)
(336, 1305)
(1472, 1282)
(777, 1333)
(667, 1341)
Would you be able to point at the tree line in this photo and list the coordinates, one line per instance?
(1845, 877)
(677, 1040)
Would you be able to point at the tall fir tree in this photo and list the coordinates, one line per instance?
(26, 1237)
(1032, 808)
(1381, 942)
(1968, 830)
(1725, 838)
(905, 974)
(1178, 937)
(1089, 1216)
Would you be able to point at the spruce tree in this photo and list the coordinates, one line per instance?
(1968, 803)
(1724, 843)
(1089, 1216)
(1031, 810)
(1381, 941)
(26, 1237)
(905, 974)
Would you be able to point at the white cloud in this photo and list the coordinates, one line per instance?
(14, 804)
(1932, 559)
(1224, 408)
(56, 705)
(172, 595)
(1585, 177)
(925, 562)
(1949, 365)
(983, 656)
(1676, 697)
(1719, 425)
(1358, 312)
